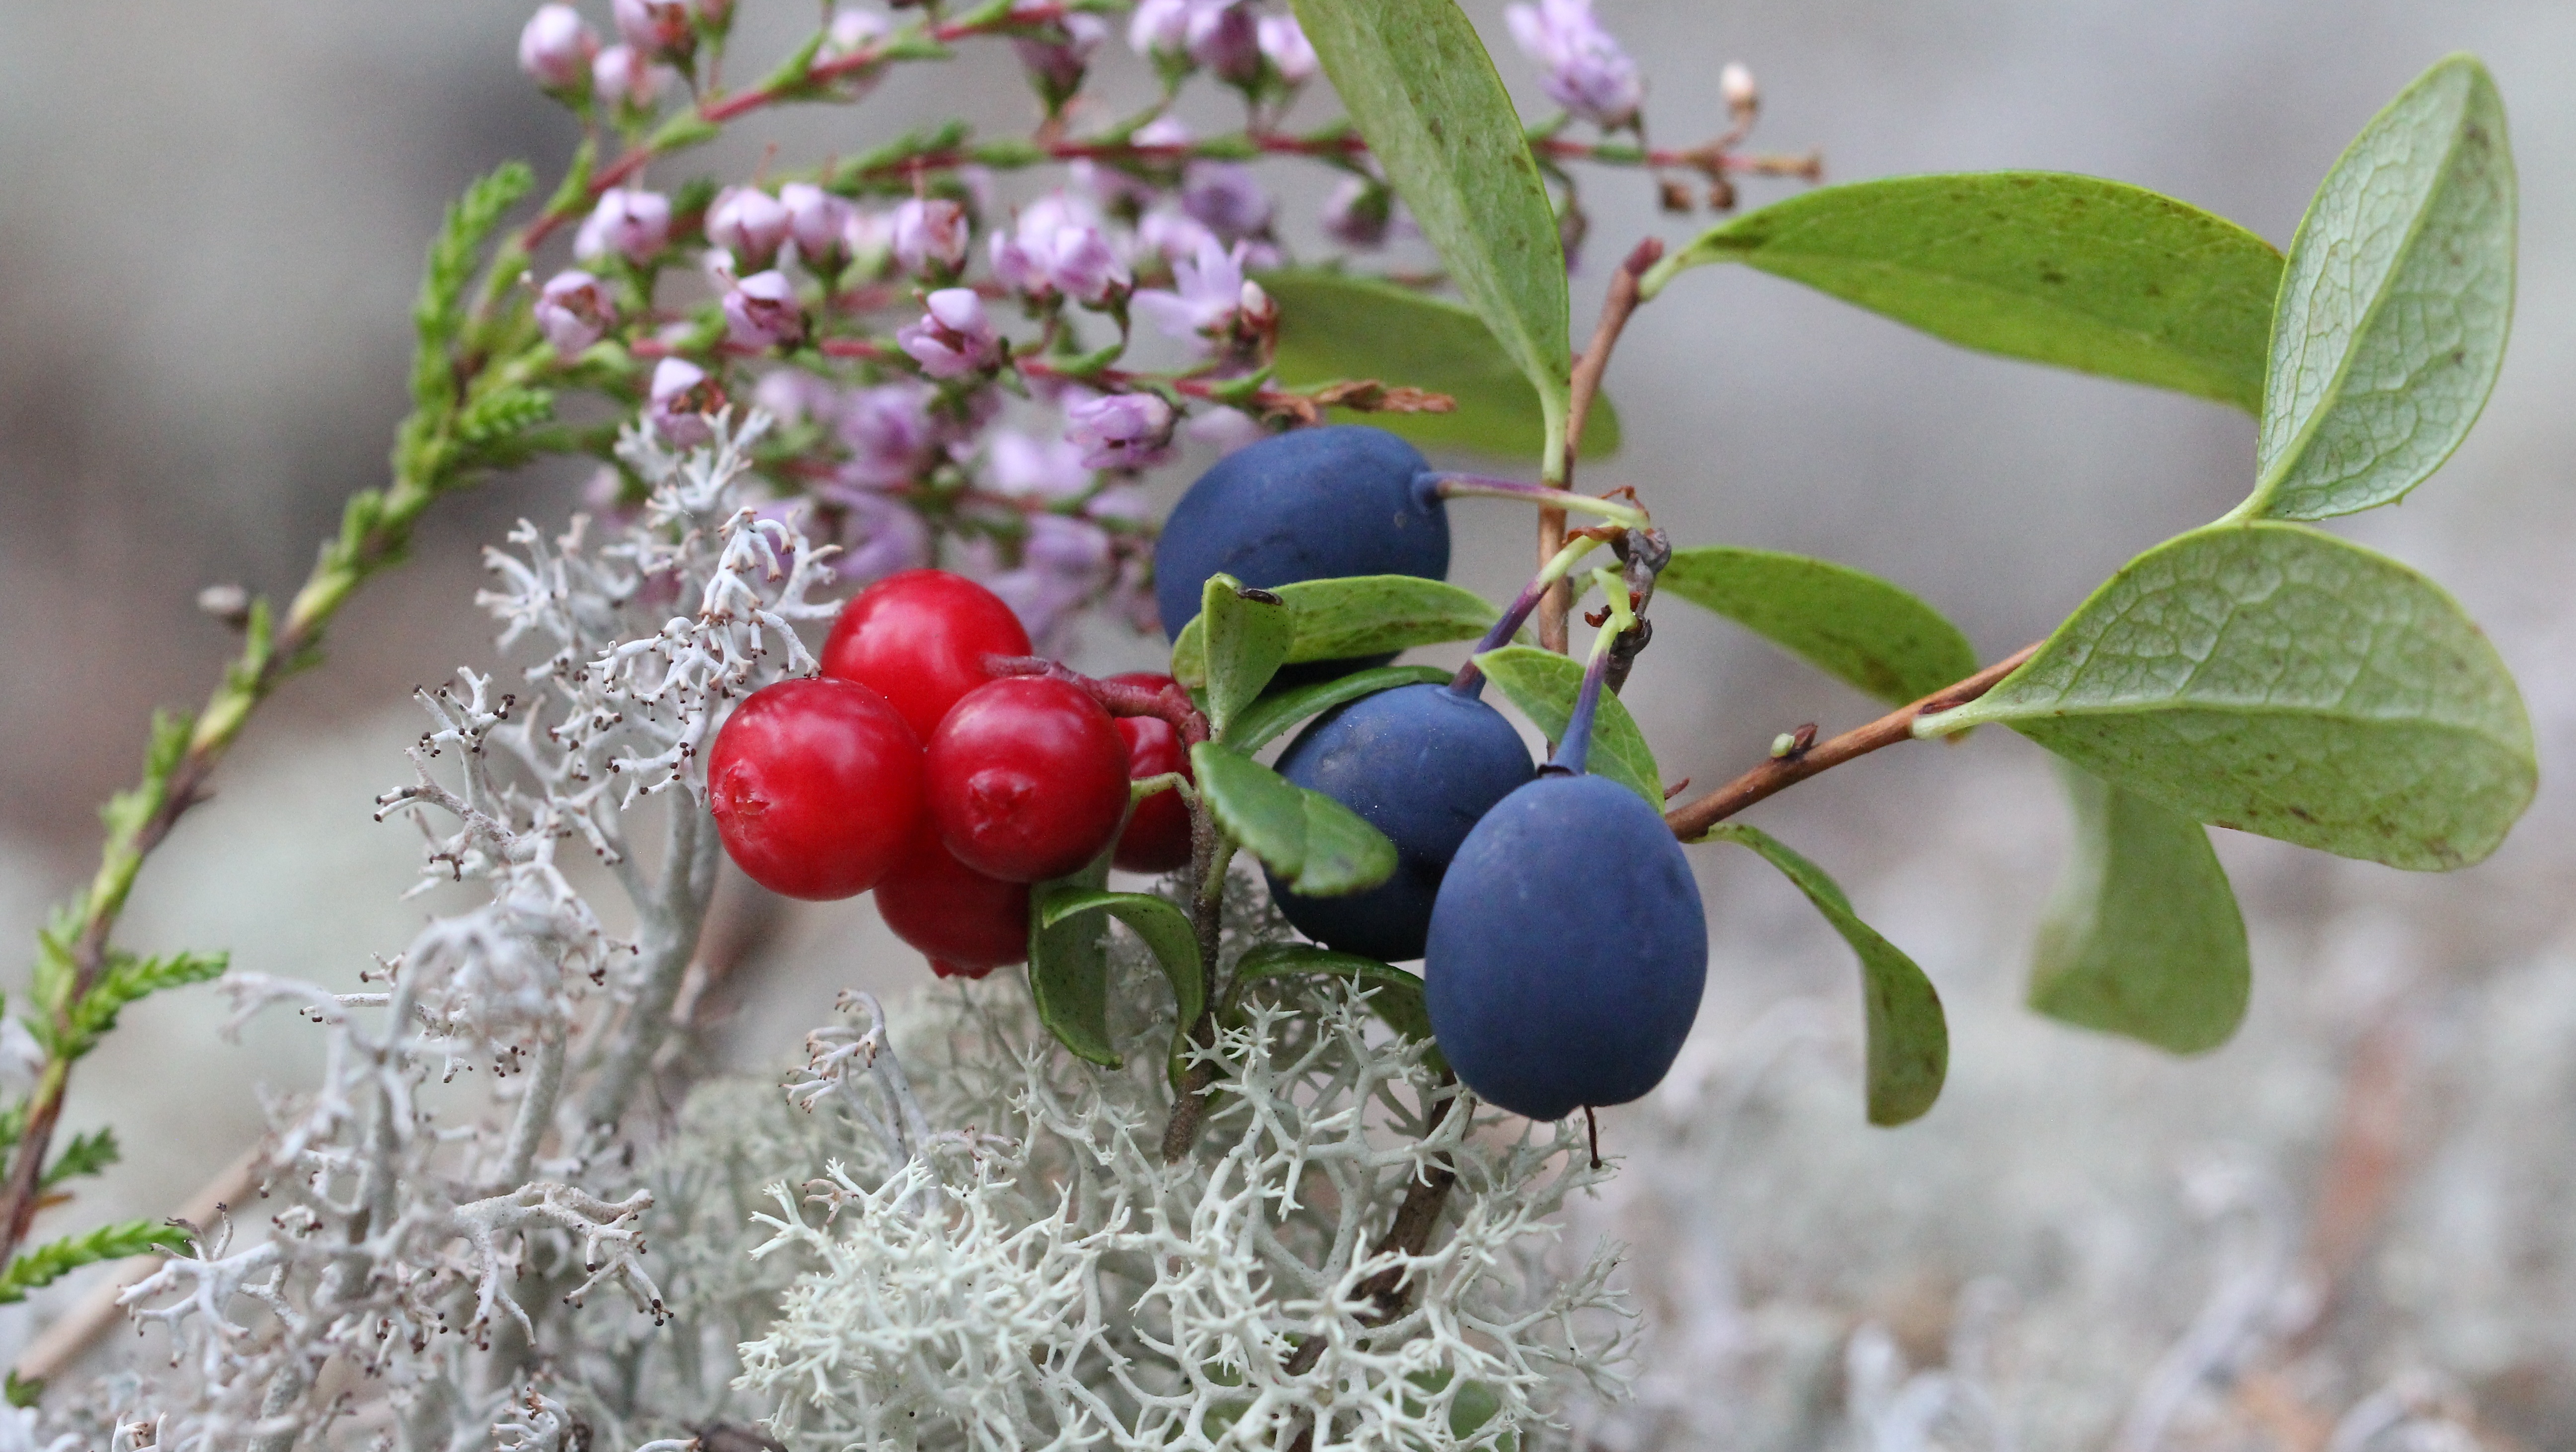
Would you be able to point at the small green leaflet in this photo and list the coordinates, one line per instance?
(51, 1262)
(1355, 615)
(1854, 627)
(2277, 680)
(1426, 97)
(1318, 846)
(1396, 995)
(1544, 684)
(1909, 1038)
(1165, 930)
(1245, 639)
(87, 1154)
(1264, 720)
(2393, 314)
(1069, 967)
(2098, 276)
(2142, 937)
(1337, 328)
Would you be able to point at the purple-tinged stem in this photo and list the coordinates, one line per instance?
(1484, 486)
(1576, 748)
(1470, 680)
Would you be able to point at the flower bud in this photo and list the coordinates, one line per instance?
(1159, 27)
(761, 311)
(955, 340)
(1120, 430)
(853, 30)
(1284, 45)
(930, 237)
(816, 221)
(1357, 213)
(892, 437)
(633, 224)
(555, 49)
(1258, 313)
(574, 311)
(1225, 37)
(682, 403)
(1058, 61)
(1020, 467)
(868, 237)
(659, 29)
(1735, 85)
(1582, 67)
(749, 223)
(621, 75)
(1226, 198)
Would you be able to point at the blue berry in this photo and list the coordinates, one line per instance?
(1568, 949)
(1421, 763)
(1313, 504)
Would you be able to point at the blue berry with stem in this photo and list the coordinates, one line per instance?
(1421, 763)
(1568, 948)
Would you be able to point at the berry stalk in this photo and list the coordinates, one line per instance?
(1585, 385)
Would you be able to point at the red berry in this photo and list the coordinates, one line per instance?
(1157, 838)
(919, 639)
(816, 786)
(967, 924)
(1027, 779)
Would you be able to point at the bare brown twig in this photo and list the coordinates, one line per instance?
(1586, 386)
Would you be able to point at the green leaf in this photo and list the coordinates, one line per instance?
(2393, 314)
(1909, 1039)
(1338, 328)
(1069, 969)
(87, 1154)
(1854, 627)
(49, 1263)
(1397, 998)
(23, 1393)
(503, 412)
(1544, 684)
(1165, 930)
(437, 313)
(2098, 276)
(1245, 638)
(1356, 615)
(1264, 720)
(2142, 937)
(1318, 846)
(1425, 96)
(2273, 679)
(127, 979)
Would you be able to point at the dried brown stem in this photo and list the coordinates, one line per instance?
(1692, 819)
(1586, 386)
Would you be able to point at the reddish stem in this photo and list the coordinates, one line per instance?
(1170, 704)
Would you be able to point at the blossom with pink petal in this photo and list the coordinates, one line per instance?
(761, 311)
(1284, 45)
(817, 222)
(555, 49)
(1224, 197)
(683, 402)
(893, 439)
(1022, 467)
(633, 224)
(1206, 290)
(661, 29)
(930, 236)
(1121, 430)
(1582, 67)
(955, 340)
(749, 223)
(574, 311)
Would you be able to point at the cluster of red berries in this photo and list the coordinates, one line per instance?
(909, 767)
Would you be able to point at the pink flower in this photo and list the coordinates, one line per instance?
(878, 536)
(853, 30)
(816, 221)
(574, 311)
(633, 224)
(1058, 61)
(1223, 196)
(1225, 37)
(1172, 234)
(930, 237)
(1037, 469)
(892, 438)
(624, 76)
(1206, 291)
(661, 29)
(1358, 213)
(761, 311)
(1059, 246)
(1285, 45)
(956, 340)
(682, 403)
(1064, 562)
(1159, 27)
(749, 223)
(794, 395)
(555, 49)
(1581, 66)
(1121, 430)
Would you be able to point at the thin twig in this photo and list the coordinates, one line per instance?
(1692, 819)
(1586, 386)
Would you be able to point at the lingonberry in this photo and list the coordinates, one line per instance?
(1027, 778)
(965, 923)
(816, 785)
(1421, 763)
(1568, 949)
(919, 638)
(1312, 504)
(1157, 838)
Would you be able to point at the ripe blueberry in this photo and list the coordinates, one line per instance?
(1027, 778)
(816, 785)
(1568, 949)
(919, 639)
(1421, 763)
(1157, 836)
(965, 923)
(1313, 504)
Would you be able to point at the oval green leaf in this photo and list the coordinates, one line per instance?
(1338, 328)
(1854, 627)
(1397, 995)
(2393, 313)
(2276, 680)
(1263, 722)
(1426, 97)
(1356, 615)
(1244, 640)
(1165, 931)
(2142, 937)
(1315, 844)
(2076, 271)
(1544, 684)
(1069, 968)
(1909, 1037)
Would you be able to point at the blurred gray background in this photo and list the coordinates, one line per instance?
(213, 222)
